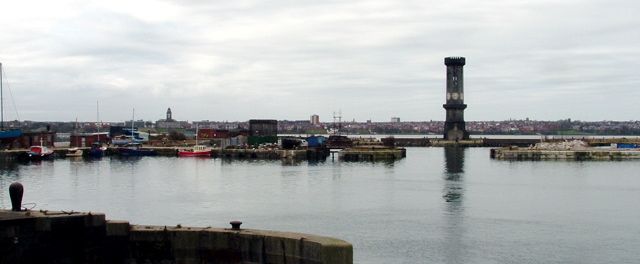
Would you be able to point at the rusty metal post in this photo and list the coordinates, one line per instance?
(15, 192)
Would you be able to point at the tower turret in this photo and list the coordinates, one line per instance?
(454, 126)
(169, 114)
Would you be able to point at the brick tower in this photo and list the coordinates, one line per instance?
(454, 127)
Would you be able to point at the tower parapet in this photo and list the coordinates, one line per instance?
(454, 61)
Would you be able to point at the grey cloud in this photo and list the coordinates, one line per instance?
(372, 59)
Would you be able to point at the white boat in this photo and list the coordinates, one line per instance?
(74, 152)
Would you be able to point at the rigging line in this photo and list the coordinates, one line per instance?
(13, 102)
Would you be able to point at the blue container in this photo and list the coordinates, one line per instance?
(627, 146)
(316, 141)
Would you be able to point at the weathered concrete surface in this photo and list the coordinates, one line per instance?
(215, 245)
(461, 143)
(412, 142)
(51, 237)
(372, 153)
(271, 154)
(515, 153)
(67, 237)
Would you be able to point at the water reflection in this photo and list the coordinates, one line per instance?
(454, 245)
(454, 170)
(291, 162)
(8, 174)
(8, 167)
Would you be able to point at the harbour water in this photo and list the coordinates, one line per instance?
(438, 205)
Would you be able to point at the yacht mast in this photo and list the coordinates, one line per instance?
(132, 118)
(1, 101)
(98, 117)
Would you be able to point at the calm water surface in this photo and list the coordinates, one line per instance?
(436, 206)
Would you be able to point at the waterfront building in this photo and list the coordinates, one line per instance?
(35, 138)
(263, 131)
(87, 139)
(454, 126)
(395, 120)
(263, 127)
(170, 123)
(138, 124)
(315, 120)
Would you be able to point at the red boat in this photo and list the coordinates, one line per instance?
(195, 151)
(39, 152)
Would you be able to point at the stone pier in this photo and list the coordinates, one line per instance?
(74, 237)
(515, 153)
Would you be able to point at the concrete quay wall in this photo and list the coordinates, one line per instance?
(372, 154)
(459, 143)
(588, 154)
(240, 153)
(71, 237)
(271, 154)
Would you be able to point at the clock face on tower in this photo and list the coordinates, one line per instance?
(448, 96)
(454, 96)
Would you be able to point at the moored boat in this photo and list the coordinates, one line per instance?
(39, 152)
(74, 152)
(97, 150)
(195, 151)
(135, 149)
(12, 133)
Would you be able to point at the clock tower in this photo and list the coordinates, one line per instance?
(454, 127)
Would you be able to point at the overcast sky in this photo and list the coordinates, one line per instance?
(237, 60)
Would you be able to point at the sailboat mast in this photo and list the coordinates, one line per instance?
(133, 115)
(1, 101)
(98, 116)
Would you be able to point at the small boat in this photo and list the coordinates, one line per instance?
(124, 140)
(12, 133)
(39, 152)
(134, 150)
(195, 151)
(97, 150)
(74, 152)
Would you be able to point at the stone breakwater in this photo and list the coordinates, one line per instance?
(374, 153)
(73, 237)
(515, 153)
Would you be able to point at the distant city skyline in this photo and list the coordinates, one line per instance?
(515, 127)
(373, 60)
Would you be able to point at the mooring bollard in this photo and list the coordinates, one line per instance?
(235, 225)
(15, 192)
